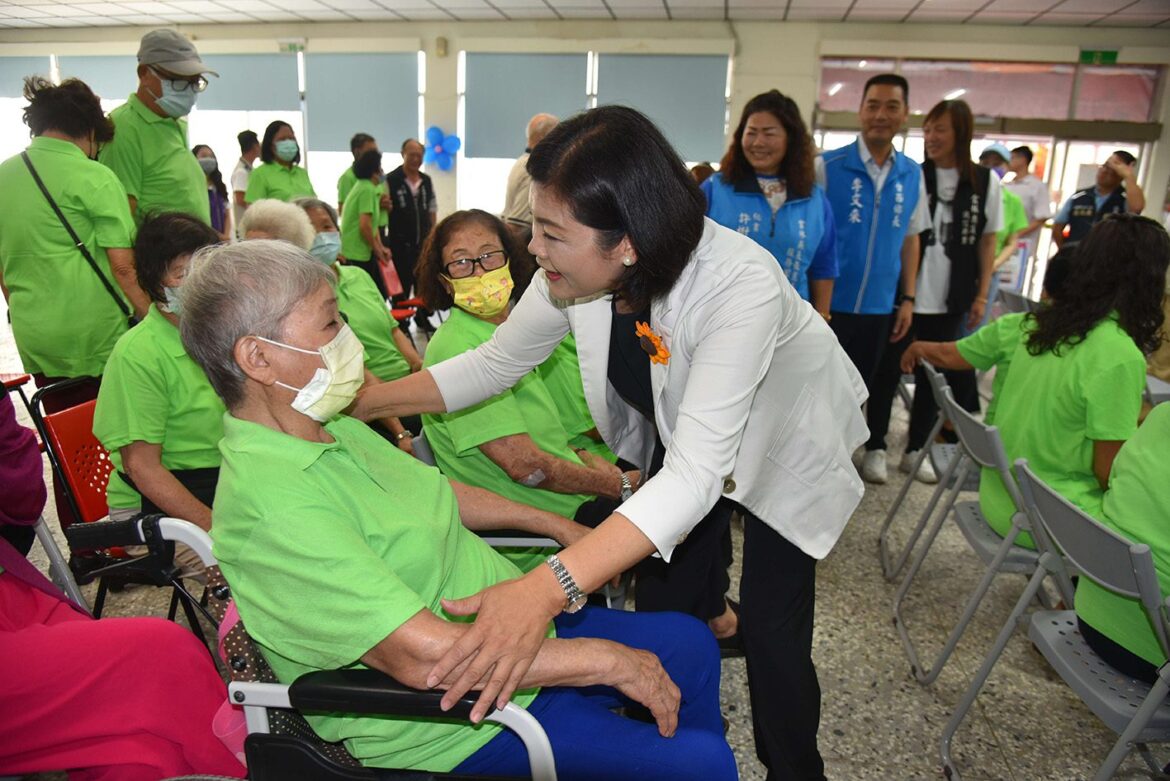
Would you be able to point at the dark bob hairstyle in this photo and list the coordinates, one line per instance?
(70, 108)
(797, 166)
(367, 164)
(162, 238)
(429, 270)
(268, 145)
(1119, 267)
(619, 176)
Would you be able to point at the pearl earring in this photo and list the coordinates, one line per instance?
(627, 261)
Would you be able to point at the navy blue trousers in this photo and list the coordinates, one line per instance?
(592, 743)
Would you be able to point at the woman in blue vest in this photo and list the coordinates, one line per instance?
(766, 189)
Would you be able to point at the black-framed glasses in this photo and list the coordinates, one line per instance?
(181, 84)
(465, 267)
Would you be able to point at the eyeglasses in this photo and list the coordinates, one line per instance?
(465, 267)
(180, 84)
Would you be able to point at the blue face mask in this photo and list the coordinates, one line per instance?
(173, 102)
(287, 149)
(174, 303)
(208, 164)
(326, 247)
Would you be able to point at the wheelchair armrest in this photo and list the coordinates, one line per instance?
(370, 691)
(103, 534)
(509, 538)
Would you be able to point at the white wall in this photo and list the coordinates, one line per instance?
(766, 54)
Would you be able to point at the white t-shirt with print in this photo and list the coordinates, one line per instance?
(934, 275)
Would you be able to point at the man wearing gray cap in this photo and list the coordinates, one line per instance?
(149, 152)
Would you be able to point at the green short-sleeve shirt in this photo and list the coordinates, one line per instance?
(366, 312)
(994, 345)
(1053, 407)
(272, 180)
(153, 160)
(345, 184)
(154, 392)
(1137, 505)
(526, 408)
(329, 548)
(364, 198)
(64, 321)
(561, 373)
(1014, 218)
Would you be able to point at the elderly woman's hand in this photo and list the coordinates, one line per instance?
(512, 619)
(911, 357)
(640, 676)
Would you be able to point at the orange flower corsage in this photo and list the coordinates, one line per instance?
(652, 343)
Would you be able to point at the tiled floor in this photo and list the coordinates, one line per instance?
(877, 723)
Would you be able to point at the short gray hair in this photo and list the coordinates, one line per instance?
(317, 203)
(238, 290)
(279, 220)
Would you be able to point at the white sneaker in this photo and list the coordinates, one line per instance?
(873, 467)
(925, 472)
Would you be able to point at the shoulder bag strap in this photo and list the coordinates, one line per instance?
(73, 235)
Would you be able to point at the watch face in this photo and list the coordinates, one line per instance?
(576, 604)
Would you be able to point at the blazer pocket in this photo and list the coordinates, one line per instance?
(804, 446)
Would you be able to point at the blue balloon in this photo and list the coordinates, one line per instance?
(451, 144)
(445, 161)
(434, 136)
(429, 155)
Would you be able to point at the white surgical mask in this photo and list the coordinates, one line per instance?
(173, 304)
(334, 387)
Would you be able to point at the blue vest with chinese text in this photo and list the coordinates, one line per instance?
(794, 235)
(1084, 213)
(870, 228)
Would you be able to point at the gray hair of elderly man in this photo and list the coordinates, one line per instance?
(279, 220)
(243, 289)
(317, 203)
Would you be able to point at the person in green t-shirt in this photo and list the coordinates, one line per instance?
(358, 145)
(280, 177)
(343, 552)
(513, 444)
(561, 373)
(66, 315)
(361, 244)
(1078, 371)
(149, 152)
(156, 413)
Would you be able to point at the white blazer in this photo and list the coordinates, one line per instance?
(757, 402)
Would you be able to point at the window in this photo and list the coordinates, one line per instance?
(1116, 93)
(843, 81)
(1022, 90)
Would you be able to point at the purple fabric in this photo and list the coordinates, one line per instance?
(22, 483)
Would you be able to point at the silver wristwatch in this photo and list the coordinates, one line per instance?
(575, 596)
(627, 487)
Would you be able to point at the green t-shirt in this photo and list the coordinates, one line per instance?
(1137, 505)
(994, 345)
(1053, 407)
(1014, 218)
(63, 319)
(154, 392)
(329, 548)
(366, 312)
(364, 198)
(153, 160)
(525, 408)
(561, 374)
(273, 180)
(346, 182)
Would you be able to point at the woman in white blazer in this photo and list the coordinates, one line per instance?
(748, 391)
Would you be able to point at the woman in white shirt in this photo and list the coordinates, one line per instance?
(954, 275)
(693, 344)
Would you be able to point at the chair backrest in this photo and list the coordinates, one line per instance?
(422, 448)
(1014, 301)
(81, 461)
(1094, 550)
(938, 384)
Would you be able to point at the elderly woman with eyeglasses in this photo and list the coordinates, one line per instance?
(342, 551)
(514, 443)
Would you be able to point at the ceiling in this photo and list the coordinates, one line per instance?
(1076, 13)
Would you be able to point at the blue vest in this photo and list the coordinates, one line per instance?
(870, 228)
(794, 235)
(1084, 214)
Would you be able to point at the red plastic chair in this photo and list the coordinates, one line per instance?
(16, 382)
(83, 467)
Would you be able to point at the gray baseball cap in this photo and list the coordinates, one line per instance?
(172, 52)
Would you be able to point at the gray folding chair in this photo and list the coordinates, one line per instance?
(945, 458)
(982, 447)
(59, 571)
(1138, 712)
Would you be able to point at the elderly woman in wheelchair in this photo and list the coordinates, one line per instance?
(342, 552)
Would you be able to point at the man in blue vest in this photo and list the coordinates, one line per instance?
(1116, 191)
(879, 201)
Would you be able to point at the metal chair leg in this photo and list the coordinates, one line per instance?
(896, 564)
(883, 535)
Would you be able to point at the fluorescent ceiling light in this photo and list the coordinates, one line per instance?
(955, 94)
(833, 90)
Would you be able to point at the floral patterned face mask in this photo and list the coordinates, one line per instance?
(485, 296)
